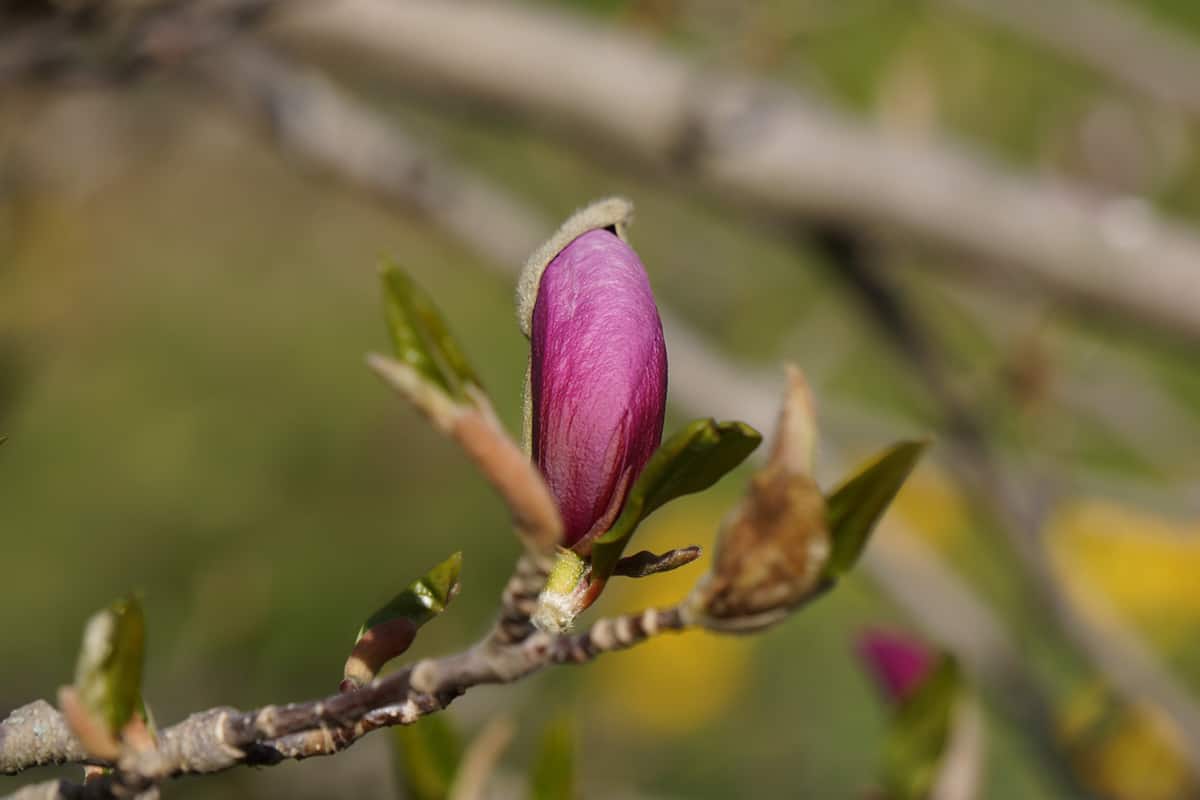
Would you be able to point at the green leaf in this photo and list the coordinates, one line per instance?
(690, 461)
(420, 336)
(428, 753)
(920, 733)
(553, 776)
(853, 509)
(424, 598)
(108, 676)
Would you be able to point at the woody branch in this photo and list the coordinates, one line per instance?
(221, 738)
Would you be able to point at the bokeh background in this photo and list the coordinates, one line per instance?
(184, 307)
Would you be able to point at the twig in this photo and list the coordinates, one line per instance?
(35, 735)
(619, 633)
(519, 600)
(221, 738)
(474, 427)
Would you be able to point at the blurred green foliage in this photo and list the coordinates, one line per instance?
(553, 776)
(921, 732)
(428, 756)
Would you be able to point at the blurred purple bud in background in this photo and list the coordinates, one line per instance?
(898, 662)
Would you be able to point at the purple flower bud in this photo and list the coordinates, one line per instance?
(899, 663)
(598, 380)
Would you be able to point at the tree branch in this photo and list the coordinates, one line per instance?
(221, 738)
(35, 735)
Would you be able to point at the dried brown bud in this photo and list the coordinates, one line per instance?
(770, 554)
(773, 547)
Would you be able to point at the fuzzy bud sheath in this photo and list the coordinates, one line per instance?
(598, 377)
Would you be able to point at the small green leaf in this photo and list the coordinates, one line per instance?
(428, 753)
(424, 598)
(920, 733)
(854, 507)
(690, 461)
(108, 676)
(553, 776)
(420, 336)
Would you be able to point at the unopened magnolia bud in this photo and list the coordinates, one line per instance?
(598, 370)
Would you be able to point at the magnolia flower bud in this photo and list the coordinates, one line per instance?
(598, 379)
(898, 663)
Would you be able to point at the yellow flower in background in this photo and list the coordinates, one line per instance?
(676, 683)
(1124, 752)
(1141, 564)
(1144, 565)
(934, 507)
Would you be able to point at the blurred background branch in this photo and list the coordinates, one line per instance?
(768, 149)
(1125, 44)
